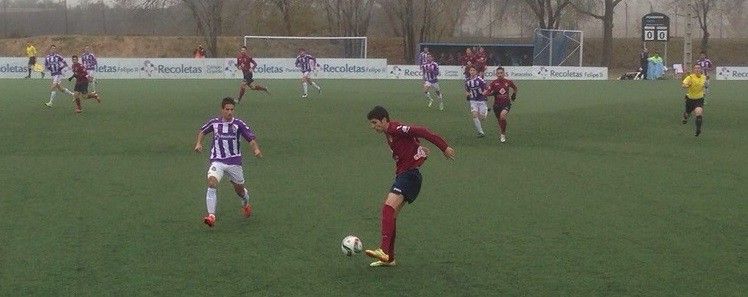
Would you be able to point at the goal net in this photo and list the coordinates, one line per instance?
(320, 47)
(558, 47)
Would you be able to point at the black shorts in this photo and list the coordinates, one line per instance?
(498, 107)
(32, 61)
(81, 88)
(692, 104)
(407, 184)
(248, 77)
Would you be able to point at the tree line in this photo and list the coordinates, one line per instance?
(414, 21)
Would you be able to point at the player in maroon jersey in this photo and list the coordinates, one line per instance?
(247, 65)
(81, 85)
(499, 88)
(409, 155)
(480, 65)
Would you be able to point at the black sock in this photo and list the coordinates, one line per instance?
(698, 123)
(29, 71)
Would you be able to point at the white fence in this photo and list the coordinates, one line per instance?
(732, 73)
(188, 68)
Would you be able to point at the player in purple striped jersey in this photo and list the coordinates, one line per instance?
(430, 72)
(474, 88)
(55, 64)
(89, 63)
(706, 67)
(422, 57)
(226, 156)
(306, 63)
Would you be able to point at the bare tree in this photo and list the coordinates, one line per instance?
(547, 12)
(606, 18)
(702, 9)
(401, 16)
(207, 16)
(285, 9)
(348, 18)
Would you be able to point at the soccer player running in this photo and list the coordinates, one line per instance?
(247, 65)
(82, 78)
(409, 155)
(499, 88)
(55, 63)
(695, 84)
(89, 63)
(430, 72)
(226, 156)
(31, 53)
(306, 62)
(474, 88)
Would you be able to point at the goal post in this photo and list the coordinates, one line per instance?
(558, 47)
(320, 46)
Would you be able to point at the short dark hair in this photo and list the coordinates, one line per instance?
(243, 46)
(378, 113)
(500, 68)
(226, 101)
(75, 57)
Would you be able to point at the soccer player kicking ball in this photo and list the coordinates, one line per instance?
(82, 78)
(499, 88)
(226, 156)
(409, 155)
(247, 65)
(695, 85)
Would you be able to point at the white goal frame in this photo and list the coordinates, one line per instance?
(364, 38)
(579, 49)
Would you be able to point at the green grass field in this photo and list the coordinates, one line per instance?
(600, 191)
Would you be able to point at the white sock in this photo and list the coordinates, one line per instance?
(478, 126)
(441, 99)
(52, 97)
(306, 86)
(93, 85)
(68, 92)
(245, 197)
(428, 95)
(210, 200)
(315, 85)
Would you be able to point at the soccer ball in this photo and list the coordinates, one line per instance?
(351, 245)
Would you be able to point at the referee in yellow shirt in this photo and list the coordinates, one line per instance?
(31, 53)
(695, 84)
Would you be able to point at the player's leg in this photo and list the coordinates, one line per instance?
(427, 94)
(698, 112)
(305, 84)
(475, 113)
(92, 80)
(689, 108)
(501, 113)
(406, 187)
(242, 90)
(31, 66)
(215, 173)
(314, 84)
(438, 92)
(236, 175)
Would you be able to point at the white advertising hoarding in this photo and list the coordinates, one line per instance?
(732, 73)
(512, 72)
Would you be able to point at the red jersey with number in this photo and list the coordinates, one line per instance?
(245, 62)
(499, 89)
(406, 147)
(80, 73)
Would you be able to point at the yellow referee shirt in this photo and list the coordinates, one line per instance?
(30, 51)
(695, 86)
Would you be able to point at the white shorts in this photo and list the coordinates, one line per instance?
(235, 172)
(56, 79)
(480, 107)
(435, 85)
(305, 74)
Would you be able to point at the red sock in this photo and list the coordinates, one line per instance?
(502, 124)
(259, 88)
(392, 241)
(388, 229)
(78, 104)
(241, 92)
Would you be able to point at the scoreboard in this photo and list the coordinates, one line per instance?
(655, 27)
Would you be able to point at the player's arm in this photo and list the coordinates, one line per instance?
(432, 137)
(249, 135)
(514, 90)
(687, 82)
(205, 129)
(252, 64)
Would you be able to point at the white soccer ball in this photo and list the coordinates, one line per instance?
(351, 245)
